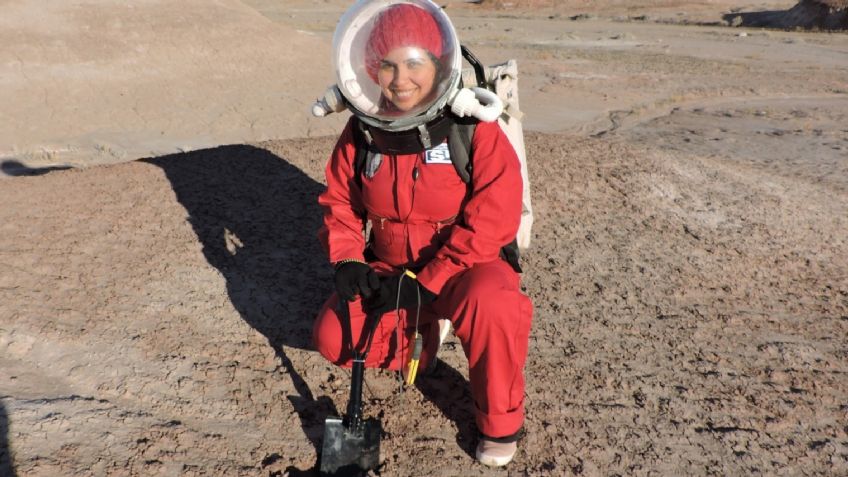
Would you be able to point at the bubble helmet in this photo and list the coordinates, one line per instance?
(396, 62)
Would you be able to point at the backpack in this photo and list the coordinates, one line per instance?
(502, 79)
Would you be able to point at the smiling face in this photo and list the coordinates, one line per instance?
(406, 77)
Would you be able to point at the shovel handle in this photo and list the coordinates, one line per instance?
(354, 405)
(353, 416)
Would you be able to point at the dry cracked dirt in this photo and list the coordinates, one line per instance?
(689, 264)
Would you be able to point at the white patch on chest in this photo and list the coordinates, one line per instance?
(438, 155)
(372, 163)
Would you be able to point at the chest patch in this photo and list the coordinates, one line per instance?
(438, 155)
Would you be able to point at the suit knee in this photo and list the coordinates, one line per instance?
(327, 335)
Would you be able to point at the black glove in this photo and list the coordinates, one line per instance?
(386, 298)
(355, 278)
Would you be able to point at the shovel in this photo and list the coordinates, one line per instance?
(352, 445)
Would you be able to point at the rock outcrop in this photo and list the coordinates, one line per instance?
(807, 14)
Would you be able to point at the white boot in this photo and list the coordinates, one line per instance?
(495, 454)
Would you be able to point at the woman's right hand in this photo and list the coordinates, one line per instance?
(355, 278)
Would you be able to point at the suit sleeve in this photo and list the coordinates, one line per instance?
(490, 217)
(342, 231)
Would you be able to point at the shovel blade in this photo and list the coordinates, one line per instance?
(347, 451)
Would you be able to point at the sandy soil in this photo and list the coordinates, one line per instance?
(159, 270)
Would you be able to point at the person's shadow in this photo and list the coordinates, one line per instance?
(448, 389)
(7, 469)
(257, 217)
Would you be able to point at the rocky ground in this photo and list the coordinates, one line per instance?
(688, 265)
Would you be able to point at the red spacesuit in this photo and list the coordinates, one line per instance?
(425, 218)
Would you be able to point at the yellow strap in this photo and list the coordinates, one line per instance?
(410, 274)
(413, 361)
(413, 370)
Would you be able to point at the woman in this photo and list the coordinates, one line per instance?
(424, 219)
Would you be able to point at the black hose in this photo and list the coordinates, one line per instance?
(479, 72)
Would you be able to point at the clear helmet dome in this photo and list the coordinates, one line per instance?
(396, 62)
